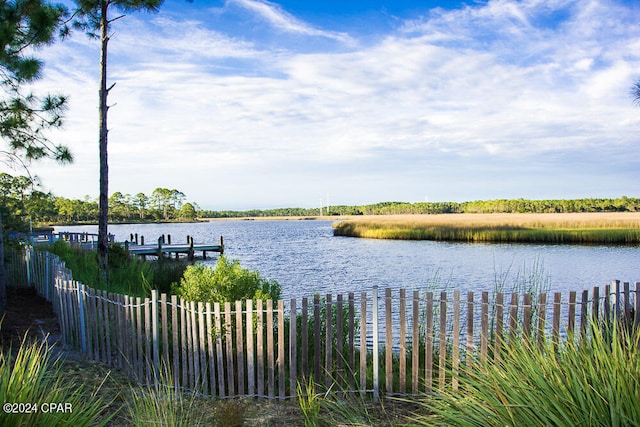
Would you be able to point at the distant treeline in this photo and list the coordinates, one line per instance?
(21, 202)
(621, 204)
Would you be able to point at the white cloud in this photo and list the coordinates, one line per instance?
(284, 21)
(498, 82)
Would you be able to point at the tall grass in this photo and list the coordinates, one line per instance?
(34, 379)
(127, 275)
(541, 228)
(162, 405)
(588, 383)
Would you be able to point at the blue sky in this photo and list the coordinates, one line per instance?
(254, 104)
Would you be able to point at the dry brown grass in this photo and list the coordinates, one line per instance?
(528, 220)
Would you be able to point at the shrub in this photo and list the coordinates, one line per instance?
(228, 282)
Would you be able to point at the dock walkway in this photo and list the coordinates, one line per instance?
(164, 247)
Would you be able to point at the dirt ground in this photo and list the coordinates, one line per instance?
(30, 314)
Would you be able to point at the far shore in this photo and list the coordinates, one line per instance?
(468, 218)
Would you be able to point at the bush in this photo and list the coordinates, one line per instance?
(228, 282)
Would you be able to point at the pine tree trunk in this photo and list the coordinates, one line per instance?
(103, 216)
(3, 273)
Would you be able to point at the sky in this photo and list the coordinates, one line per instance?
(254, 104)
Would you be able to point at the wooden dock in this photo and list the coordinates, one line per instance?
(164, 247)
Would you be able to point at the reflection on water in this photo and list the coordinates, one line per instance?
(306, 258)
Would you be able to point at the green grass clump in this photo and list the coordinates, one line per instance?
(162, 405)
(592, 383)
(127, 275)
(32, 378)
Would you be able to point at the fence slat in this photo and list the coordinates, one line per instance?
(259, 349)
(176, 342)
(211, 351)
(251, 370)
(305, 337)
(271, 389)
(139, 339)
(316, 338)
(428, 348)
(230, 367)
(328, 343)
(402, 387)
(388, 346)
(542, 317)
(240, 348)
(281, 346)
(442, 344)
(415, 343)
(499, 309)
(363, 342)
(571, 321)
(557, 300)
(204, 378)
(455, 363)
(293, 348)
(183, 344)
(484, 328)
(195, 347)
(513, 317)
(219, 352)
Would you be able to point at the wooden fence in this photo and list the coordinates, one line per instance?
(374, 342)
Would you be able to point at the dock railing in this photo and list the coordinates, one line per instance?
(379, 342)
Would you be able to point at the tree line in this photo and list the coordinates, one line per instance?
(621, 204)
(24, 203)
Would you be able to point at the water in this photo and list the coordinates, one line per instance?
(305, 258)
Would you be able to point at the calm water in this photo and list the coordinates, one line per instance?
(306, 258)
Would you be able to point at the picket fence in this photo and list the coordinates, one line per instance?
(379, 343)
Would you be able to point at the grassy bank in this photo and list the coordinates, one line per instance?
(576, 228)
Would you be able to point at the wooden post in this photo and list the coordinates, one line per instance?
(159, 250)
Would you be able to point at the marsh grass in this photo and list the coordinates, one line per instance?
(588, 383)
(32, 376)
(609, 228)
